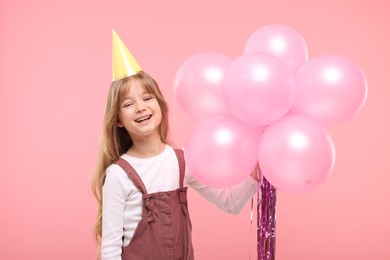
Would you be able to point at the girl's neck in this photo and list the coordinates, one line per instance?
(146, 148)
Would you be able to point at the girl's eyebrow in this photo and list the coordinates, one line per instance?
(143, 93)
(126, 98)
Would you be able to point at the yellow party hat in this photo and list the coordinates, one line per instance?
(123, 62)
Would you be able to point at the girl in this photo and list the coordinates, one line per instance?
(141, 181)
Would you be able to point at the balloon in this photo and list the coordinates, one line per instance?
(221, 151)
(280, 41)
(258, 88)
(296, 154)
(329, 89)
(198, 84)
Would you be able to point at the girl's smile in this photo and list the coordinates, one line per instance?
(143, 119)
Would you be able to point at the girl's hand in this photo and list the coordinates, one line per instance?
(256, 173)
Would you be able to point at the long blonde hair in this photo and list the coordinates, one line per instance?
(115, 140)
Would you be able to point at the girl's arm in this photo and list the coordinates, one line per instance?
(113, 210)
(230, 200)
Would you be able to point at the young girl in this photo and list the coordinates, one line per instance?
(141, 181)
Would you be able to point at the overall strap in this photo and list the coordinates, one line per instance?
(182, 164)
(133, 175)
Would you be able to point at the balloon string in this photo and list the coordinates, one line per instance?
(250, 230)
(266, 223)
(260, 236)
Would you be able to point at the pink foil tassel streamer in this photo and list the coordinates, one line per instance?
(266, 220)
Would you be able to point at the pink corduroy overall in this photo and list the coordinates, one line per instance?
(164, 232)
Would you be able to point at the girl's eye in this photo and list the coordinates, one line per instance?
(127, 104)
(148, 98)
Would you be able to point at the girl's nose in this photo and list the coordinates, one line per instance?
(139, 108)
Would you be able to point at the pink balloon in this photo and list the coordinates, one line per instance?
(198, 84)
(280, 41)
(258, 88)
(296, 154)
(222, 151)
(329, 89)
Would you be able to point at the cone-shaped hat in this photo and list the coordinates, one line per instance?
(123, 62)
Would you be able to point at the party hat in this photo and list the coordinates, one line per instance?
(123, 62)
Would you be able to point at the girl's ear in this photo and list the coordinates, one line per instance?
(120, 124)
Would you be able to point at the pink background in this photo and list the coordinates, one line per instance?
(55, 69)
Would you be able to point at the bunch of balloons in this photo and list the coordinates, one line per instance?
(269, 106)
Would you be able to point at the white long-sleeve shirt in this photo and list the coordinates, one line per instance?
(122, 201)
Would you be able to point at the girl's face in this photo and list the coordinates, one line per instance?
(140, 113)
